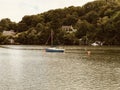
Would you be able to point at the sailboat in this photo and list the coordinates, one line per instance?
(53, 49)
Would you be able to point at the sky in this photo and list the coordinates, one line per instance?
(16, 9)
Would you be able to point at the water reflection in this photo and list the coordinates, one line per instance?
(11, 61)
(15, 61)
(72, 70)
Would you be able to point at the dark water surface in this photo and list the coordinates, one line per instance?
(34, 69)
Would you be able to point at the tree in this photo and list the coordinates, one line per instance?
(91, 17)
(5, 23)
(22, 27)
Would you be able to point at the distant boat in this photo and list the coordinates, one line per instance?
(53, 49)
(97, 43)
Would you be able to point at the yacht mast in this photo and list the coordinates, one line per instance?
(51, 37)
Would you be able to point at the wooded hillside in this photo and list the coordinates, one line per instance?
(95, 21)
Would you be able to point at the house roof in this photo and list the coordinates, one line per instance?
(8, 33)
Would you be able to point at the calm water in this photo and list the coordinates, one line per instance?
(34, 69)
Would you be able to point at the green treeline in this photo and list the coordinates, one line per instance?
(95, 21)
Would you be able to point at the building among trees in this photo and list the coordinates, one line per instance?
(8, 33)
(69, 29)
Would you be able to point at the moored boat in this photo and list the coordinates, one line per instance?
(53, 49)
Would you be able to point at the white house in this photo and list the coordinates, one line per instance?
(8, 33)
(69, 29)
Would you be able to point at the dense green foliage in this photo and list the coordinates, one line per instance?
(95, 21)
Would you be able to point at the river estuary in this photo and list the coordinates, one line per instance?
(31, 68)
